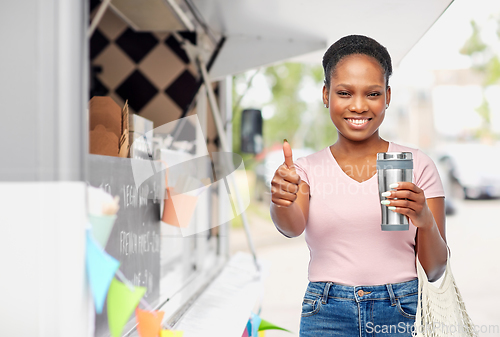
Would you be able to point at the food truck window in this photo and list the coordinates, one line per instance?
(150, 74)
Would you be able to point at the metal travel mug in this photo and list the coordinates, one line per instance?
(393, 167)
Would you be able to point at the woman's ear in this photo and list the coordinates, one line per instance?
(325, 96)
(388, 95)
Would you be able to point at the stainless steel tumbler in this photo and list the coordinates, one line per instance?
(393, 167)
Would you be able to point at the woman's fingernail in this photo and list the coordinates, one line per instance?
(393, 185)
(385, 202)
(386, 194)
(391, 208)
(284, 140)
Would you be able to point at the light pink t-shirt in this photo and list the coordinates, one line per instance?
(343, 231)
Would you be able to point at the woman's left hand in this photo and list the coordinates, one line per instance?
(413, 204)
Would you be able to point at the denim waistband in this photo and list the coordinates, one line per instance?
(363, 293)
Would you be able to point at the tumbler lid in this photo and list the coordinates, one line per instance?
(394, 156)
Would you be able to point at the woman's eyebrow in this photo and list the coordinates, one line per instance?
(345, 85)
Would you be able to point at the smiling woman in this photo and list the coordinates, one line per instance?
(358, 96)
(358, 274)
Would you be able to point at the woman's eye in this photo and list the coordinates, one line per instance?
(343, 93)
(374, 94)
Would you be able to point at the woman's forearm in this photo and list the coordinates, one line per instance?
(432, 251)
(288, 220)
(428, 215)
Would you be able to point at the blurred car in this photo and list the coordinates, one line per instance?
(264, 172)
(443, 167)
(475, 167)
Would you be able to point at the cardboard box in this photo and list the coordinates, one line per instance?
(103, 141)
(124, 146)
(104, 111)
(108, 127)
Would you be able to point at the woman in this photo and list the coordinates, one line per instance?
(362, 280)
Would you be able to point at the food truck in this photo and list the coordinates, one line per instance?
(110, 95)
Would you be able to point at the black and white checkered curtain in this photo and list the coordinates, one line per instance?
(150, 70)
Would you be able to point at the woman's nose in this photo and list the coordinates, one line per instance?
(358, 105)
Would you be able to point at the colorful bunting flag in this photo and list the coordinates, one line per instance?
(101, 227)
(255, 319)
(265, 325)
(101, 269)
(249, 327)
(149, 322)
(170, 333)
(122, 300)
(179, 208)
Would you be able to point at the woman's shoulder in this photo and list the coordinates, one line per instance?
(396, 147)
(418, 154)
(426, 174)
(422, 163)
(313, 158)
(306, 165)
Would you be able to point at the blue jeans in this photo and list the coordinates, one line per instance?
(331, 309)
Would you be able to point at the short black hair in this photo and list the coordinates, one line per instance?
(356, 44)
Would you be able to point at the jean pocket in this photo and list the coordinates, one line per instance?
(407, 305)
(310, 305)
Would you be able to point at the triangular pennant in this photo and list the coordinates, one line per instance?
(101, 227)
(101, 269)
(184, 205)
(255, 324)
(265, 325)
(170, 333)
(148, 322)
(179, 208)
(249, 327)
(122, 301)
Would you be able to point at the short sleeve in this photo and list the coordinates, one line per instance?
(301, 167)
(427, 176)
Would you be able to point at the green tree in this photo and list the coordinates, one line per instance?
(305, 123)
(486, 61)
(285, 82)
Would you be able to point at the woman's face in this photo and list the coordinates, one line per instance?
(357, 97)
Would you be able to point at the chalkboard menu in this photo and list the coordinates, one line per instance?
(135, 239)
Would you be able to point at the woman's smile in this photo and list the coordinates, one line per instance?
(357, 123)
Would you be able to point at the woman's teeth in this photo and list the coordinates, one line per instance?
(357, 121)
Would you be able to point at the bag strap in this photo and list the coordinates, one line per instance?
(423, 292)
(422, 276)
(423, 285)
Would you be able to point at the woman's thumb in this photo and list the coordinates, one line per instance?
(287, 151)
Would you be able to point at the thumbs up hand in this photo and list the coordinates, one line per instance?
(285, 183)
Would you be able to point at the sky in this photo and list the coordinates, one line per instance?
(439, 47)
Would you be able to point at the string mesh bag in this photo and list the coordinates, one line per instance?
(441, 310)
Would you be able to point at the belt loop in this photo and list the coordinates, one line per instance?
(324, 299)
(391, 294)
